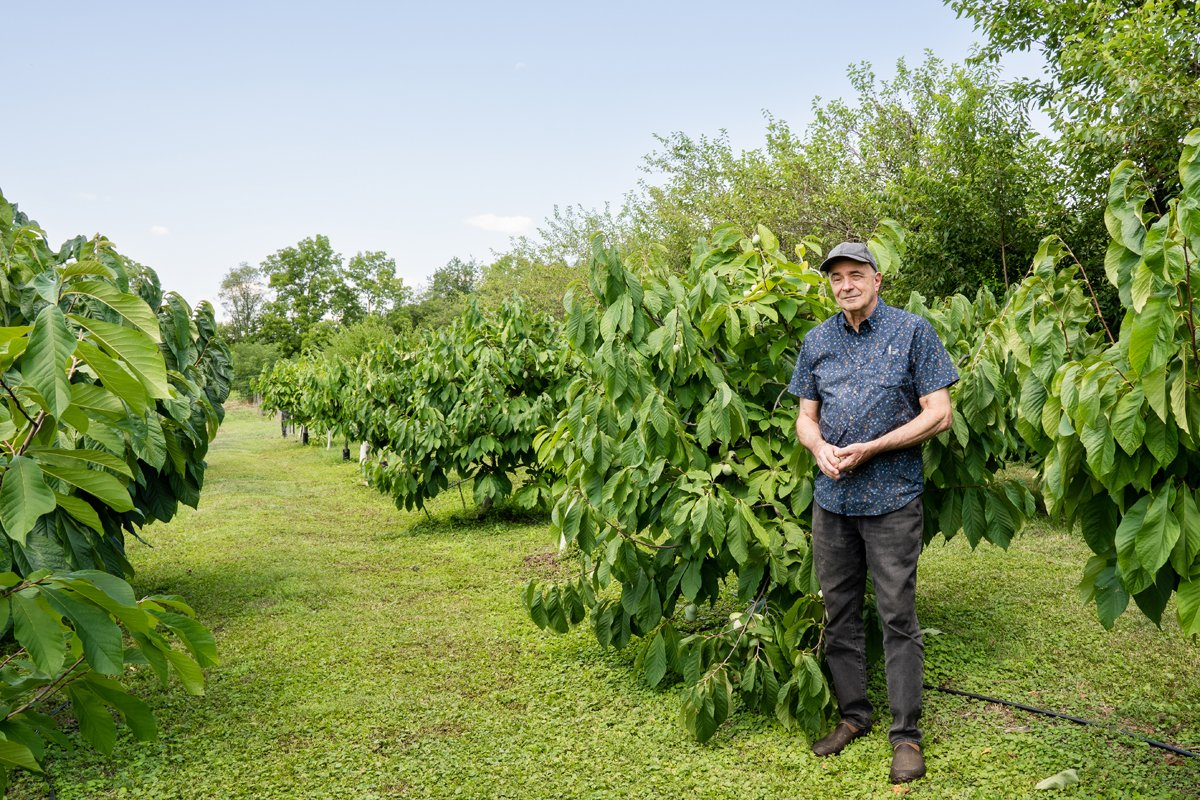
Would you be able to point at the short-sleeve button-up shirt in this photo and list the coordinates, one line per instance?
(869, 383)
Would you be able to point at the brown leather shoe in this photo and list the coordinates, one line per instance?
(907, 762)
(838, 738)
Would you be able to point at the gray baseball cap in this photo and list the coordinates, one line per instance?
(855, 251)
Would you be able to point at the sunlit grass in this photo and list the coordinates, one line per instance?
(372, 653)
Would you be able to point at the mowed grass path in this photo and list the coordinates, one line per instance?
(372, 653)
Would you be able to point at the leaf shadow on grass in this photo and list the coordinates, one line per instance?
(463, 522)
(220, 595)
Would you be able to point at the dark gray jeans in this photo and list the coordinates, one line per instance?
(843, 549)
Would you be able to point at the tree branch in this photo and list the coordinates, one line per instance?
(20, 408)
(1092, 292)
(45, 691)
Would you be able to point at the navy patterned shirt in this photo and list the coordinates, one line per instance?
(870, 383)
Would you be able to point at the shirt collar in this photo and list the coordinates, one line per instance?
(871, 322)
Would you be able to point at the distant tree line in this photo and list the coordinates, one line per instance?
(948, 149)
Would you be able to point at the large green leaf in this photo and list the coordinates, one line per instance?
(96, 401)
(1127, 195)
(1185, 557)
(39, 631)
(81, 510)
(152, 647)
(44, 362)
(47, 284)
(1149, 327)
(1187, 596)
(131, 307)
(1128, 424)
(111, 586)
(101, 485)
(973, 516)
(138, 352)
(109, 437)
(656, 660)
(1189, 162)
(81, 458)
(1158, 533)
(119, 381)
(198, 638)
(1162, 440)
(13, 341)
(1179, 391)
(89, 268)
(1136, 579)
(137, 714)
(188, 671)
(103, 644)
(24, 496)
(110, 593)
(1104, 586)
(15, 755)
(1101, 448)
(96, 724)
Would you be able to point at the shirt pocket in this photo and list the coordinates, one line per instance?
(892, 401)
(895, 376)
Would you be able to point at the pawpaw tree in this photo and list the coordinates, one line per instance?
(681, 475)
(110, 392)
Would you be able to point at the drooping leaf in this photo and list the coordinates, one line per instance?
(1128, 423)
(1158, 532)
(96, 724)
(136, 351)
(198, 639)
(137, 714)
(656, 660)
(101, 485)
(1148, 326)
(103, 646)
(38, 631)
(1187, 597)
(96, 401)
(131, 307)
(24, 496)
(1185, 557)
(15, 755)
(1126, 541)
(115, 378)
(80, 510)
(44, 362)
(81, 458)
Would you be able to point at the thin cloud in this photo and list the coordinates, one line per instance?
(513, 226)
(159, 230)
(519, 66)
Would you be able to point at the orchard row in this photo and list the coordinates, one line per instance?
(110, 392)
(653, 423)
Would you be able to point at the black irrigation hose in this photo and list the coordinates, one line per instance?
(1080, 720)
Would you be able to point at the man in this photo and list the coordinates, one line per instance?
(873, 385)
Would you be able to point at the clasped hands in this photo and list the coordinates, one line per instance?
(834, 461)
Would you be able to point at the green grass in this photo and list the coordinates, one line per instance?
(371, 653)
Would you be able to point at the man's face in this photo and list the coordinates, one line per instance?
(855, 284)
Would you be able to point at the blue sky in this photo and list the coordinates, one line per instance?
(198, 136)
